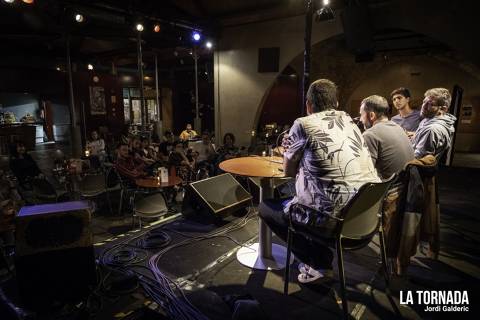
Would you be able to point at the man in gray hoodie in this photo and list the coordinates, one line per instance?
(435, 132)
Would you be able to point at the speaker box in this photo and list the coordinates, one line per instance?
(217, 197)
(358, 30)
(55, 260)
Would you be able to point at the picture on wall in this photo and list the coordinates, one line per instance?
(97, 101)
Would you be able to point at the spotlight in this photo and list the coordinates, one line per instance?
(9, 1)
(326, 2)
(209, 45)
(196, 36)
(90, 66)
(79, 18)
(58, 68)
(139, 27)
(156, 28)
(324, 14)
(28, 1)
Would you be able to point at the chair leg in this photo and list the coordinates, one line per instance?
(109, 202)
(286, 277)
(121, 202)
(384, 257)
(341, 275)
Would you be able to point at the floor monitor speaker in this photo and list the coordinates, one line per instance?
(218, 196)
(55, 260)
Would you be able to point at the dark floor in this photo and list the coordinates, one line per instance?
(208, 271)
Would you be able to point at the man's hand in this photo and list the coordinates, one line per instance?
(285, 142)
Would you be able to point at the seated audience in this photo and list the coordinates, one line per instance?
(184, 167)
(128, 166)
(23, 166)
(204, 154)
(435, 132)
(407, 118)
(228, 150)
(96, 146)
(388, 144)
(327, 154)
(167, 145)
(188, 133)
(136, 150)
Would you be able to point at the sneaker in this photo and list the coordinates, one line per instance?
(315, 275)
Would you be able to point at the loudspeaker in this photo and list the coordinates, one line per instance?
(55, 260)
(358, 30)
(268, 59)
(217, 196)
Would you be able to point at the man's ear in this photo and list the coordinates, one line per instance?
(309, 106)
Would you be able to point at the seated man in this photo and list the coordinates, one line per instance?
(96, 146)
(326, 153)
(407, 118)
(435, 132)
(387, 142)
(166, 146)
(188, 133)
(204, 153)
(23, 166)
(127, 166)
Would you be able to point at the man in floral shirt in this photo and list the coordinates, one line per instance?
(327, 155)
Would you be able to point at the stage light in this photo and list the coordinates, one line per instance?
(196, 36)
(28, 1)
(90, 66)
(58, 68)
(79, 18)
(139, 27)
(156, 28)
(324, 14)
(209, 45)
(9, 1)
(326, 2)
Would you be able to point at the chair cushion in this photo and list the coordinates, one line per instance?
(153, 205)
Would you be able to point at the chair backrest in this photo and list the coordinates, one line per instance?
(93, 183)
(361, 216)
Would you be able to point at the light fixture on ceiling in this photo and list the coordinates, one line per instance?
(209, 45)
(9, 1)
(326, 2)
(324, 14)
(196, 36)
(90, 66)
(28, 1)
(156, 28)
(139, 27)
(79, 17)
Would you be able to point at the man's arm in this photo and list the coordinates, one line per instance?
(372, 145)
(294, 145)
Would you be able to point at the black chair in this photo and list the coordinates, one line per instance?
(358, 222)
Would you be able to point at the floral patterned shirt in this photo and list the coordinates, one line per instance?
(333, 162)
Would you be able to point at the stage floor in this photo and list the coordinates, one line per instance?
(208, 272)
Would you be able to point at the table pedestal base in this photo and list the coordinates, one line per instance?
(249, 256)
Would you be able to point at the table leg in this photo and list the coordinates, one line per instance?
(264, 255)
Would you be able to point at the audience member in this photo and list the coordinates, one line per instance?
(188, 133)
(127, 166)
(184, 167)
(23, 166)
(327, 154)
(228, 150)
(96, 147)
(389, 146)
(167, 145)
(435, 132)
(407, 118)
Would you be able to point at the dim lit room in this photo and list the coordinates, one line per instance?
(244, 160)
